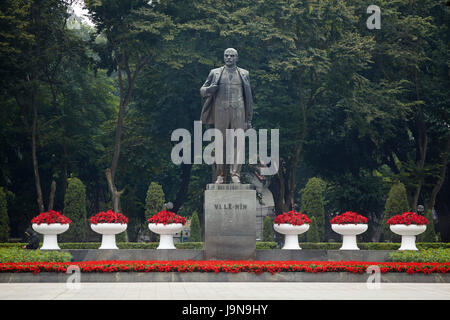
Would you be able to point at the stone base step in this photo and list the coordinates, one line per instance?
(261, 255)
(222, 277)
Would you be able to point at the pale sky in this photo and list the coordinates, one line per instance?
(80, 12)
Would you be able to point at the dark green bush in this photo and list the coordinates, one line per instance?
(312, 235)
(15, 254)
(312, 205)
(122, 237)
(189, 245)
(154, 202)
(131, 245)
(432, 245)
(265, 245)
(80, 245)
(430, 234)
(12, 244)
(4, 219)
(320, 245)
(424, 255)
(196, 233)
(396, 203)
(379, 246)
(75, 210)
(267, 232)
(137, 245)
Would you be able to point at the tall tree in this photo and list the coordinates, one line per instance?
(133, 29)
(35, 62)
(411, 51)
(300, 49)
(48, 21)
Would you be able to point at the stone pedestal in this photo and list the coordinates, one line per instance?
(230, 222)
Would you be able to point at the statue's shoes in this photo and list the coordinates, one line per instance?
(219, 180)
(235, 179)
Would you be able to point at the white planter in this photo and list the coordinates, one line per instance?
(50, 232)
(408, 233)
(108, 232)
(291, 233)
(349, 233)
(166, 233)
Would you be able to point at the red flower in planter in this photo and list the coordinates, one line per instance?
(407, 218)
(292, 217)
(349, 217)
(50, 217)
(108, 217)
(167, 217)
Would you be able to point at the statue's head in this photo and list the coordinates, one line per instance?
(230, 56)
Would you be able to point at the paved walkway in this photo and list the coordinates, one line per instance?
(224, 291)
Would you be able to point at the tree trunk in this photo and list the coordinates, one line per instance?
(290, 185)
(111, 172)
(51, 199)
(274, 187)
(283, 187)
(37, 180)
(65, 163)
(115, 195)
(421, 140)
(65, 157)
(282, 190)
(36, 14)
(125, 95)
(182, 192)
(438, 185)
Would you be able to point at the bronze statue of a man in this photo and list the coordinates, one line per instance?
(228, 104)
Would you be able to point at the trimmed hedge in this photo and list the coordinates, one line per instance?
(266, 245)
(154, 202)
(4, 218)
(15, 254)
(75, 210)
(196, 232)
(396, 203)
(259, 245)
(430, 234)
(371, 245)
(189, 245)
(132, 245)
(120, 245)
(428, 255)
(267, 232)
(312, 204)
(313, 234)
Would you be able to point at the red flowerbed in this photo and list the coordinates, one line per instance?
(292, 217)
(407, 218)
(167, 217)
(227, 266)
(50, 217)
(349, 217)
(108, 217)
